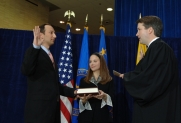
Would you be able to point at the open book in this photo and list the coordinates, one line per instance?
(82, 91)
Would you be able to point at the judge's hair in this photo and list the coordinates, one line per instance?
(42, 27)
(104, 72)
(152, 21)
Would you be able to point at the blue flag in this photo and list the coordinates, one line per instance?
(81, 72)
(65, 70)
(102, 51)
(102, 46)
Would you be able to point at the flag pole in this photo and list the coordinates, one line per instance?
(66, 102)
(102, 44)
(82, 68)
(141, 49)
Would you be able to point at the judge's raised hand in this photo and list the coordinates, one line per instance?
(101, 95)
(85, 98)
(36, 32)
(141, 53)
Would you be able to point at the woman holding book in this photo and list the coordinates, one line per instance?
(96, 108)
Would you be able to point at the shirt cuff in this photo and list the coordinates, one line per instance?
(107, 102)
(82, 107)
(36, 47)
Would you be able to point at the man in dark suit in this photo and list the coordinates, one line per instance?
(42, 103)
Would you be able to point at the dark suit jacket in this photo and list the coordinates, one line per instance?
(43, 87)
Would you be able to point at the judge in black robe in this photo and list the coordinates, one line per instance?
(154, 84)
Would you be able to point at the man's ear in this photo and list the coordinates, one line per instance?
(150, 30)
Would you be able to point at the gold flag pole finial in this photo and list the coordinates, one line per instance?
(102, 26)
(101, 20)
(69, 13)
(86, 22)
(140, 16)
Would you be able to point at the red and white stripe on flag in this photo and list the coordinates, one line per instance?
(66, 106)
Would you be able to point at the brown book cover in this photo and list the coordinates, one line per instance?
(82, 91)
(116, 73)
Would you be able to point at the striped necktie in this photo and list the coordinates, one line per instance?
(51, 57)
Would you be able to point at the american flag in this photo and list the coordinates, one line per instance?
(65, 69)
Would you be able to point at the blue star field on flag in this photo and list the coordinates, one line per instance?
(65, 67)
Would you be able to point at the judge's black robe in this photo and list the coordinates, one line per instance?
(154, 85)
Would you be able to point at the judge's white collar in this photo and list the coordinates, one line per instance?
(152, 41)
